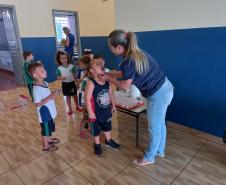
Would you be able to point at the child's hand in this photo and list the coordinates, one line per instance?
(92, 117)
(54, 93)
(58, 91)
(63, 78)
(113, 109)
(78, 81)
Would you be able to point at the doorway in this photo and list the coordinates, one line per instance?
(67, 19)
(10, 50)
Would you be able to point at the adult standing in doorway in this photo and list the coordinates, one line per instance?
(70, 41)
(139, 68)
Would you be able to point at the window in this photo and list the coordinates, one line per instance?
(60, 22)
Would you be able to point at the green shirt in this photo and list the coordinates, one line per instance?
(27, 77)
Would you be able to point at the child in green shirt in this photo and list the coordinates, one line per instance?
(28, 57)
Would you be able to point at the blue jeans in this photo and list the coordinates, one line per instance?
(156, 112)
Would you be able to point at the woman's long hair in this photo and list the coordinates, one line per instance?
(129, 41)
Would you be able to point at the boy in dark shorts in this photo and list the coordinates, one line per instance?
(46, 109)
(100, 103)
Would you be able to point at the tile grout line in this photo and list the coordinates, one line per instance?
(18, 176)
(56, 175)
(70, 166)
(146, 174)
(25, 162)
(129, 164)
(82, 175)
(204, 144)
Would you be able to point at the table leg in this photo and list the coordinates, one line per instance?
(137, 131)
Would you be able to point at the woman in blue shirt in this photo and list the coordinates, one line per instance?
(70, 41)
(141, 69)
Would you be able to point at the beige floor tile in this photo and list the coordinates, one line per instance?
(127, 151)
(179, 151)
(100, 169)
(73, 152)
(22, 153)
(4, 166)
(10, 178)
(68, 177)
(41, 169)
(132, 176)
(208, 167)
(20, 144)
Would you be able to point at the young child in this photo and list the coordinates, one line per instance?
(44, 101)
(28, 57)
(84, 124)
(67, 72)
(82, 74)
(88, 52)
(100, 103)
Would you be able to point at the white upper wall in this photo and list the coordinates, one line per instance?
(96, 18)
(147, 15)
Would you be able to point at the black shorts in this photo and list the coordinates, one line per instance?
(69, 88)
(47, 128)
(97, 127)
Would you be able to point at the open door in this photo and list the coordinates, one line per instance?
(11, 61)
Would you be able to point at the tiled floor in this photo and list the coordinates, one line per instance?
(191, 158)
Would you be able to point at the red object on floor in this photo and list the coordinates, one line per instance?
(23, 96)
(18, 106)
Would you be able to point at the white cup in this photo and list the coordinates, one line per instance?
(134, 92)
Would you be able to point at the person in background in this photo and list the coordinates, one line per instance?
(66, 72)
(28, 58)
(69, 43)
(88, 52)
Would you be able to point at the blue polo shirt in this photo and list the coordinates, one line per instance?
(70, 49)
(149, 82)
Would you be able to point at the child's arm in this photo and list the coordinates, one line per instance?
(88, 98)
(59, 77)
(112, 97)
(45, 100)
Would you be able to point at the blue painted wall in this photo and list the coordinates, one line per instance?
(99, 45)
(44, 49)
(193, 59)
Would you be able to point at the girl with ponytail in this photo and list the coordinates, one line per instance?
(139, 68)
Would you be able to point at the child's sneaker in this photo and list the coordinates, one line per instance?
(97, 149)
(112, 144)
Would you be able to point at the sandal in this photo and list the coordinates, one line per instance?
(54, 141)
(79, 109)
(51, 148)
(69, 113)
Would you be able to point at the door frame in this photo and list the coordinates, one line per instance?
(76, 27)
(19, 45)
